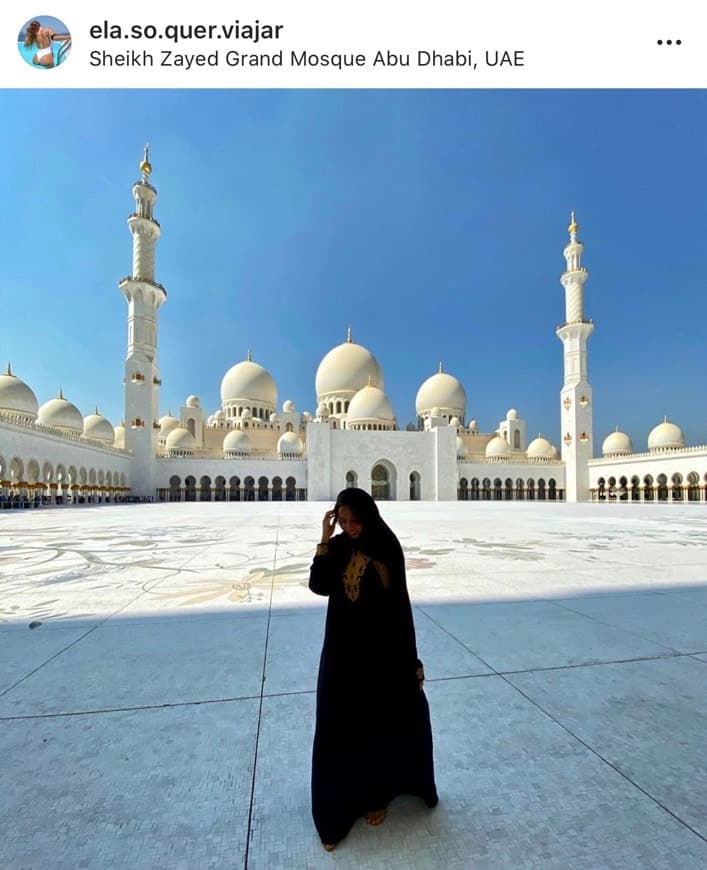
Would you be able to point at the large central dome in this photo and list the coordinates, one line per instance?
(249, 381)
(347, 369)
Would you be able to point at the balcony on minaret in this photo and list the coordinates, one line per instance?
(146, 184)
(128, 278)
(147, 217)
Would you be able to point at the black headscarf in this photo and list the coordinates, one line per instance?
(377, 540)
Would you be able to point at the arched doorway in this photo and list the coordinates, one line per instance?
(414, 486)
(190, 488)
(175, 492)
(380, 483)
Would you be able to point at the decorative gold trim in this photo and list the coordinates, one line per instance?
(322, 550)
(353, 574)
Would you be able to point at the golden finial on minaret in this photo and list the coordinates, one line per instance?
(440, 367)
(96, 411)
(9, 371)
(61, 394)
(574, 226)
(250, 355)
(349, 339)
(145, 165)
(370, 380)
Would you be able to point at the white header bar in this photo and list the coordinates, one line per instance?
(364, 44)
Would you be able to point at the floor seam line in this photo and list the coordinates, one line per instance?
(262, 696)
(610, 625)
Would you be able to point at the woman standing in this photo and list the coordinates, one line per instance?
(373, 739)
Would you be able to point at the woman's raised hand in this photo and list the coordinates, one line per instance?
(328, 526)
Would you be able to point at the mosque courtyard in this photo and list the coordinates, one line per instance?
(160, 712)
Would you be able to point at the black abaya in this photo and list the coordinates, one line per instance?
(373, 739)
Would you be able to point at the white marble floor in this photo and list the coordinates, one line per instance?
(159, 714)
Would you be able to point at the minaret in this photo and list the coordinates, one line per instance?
(576, 395)
(142, 376)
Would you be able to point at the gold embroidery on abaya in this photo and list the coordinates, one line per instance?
(353, 573)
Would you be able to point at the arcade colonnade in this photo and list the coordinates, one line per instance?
(650, 488)
(33, 482)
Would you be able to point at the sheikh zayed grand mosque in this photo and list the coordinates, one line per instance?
(251, 449)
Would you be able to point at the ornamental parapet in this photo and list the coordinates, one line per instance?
(575, 322)
(143, 183)
(139, 280)
(24, 423)
(145, 218)
(664, 452)
(256, 455)
(507, 460)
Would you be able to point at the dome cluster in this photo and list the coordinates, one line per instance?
(18, 400)
(662, 438)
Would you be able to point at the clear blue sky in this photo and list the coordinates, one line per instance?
(432, 221)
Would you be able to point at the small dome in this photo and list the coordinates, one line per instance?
(16, 397)
(370, 404)
(473, 427)
(511, 414)
(322, 410)
(247, 414)
(461, 448)
(119, 436)
(96, 426)
(617, 444)
(540, 448)
(236, 442)
(290, 444)
(288, 405)
(346, 369)
(498, 448)
(666, 436)
(193, 402)
(454, 421)
(181, 440)
(435, 412)
(219, 415)
(167, 424)
(249, 382)
(62, 414)
(443, 391)
(306, 416)
(274, 417)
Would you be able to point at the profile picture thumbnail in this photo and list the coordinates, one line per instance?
(44, 42)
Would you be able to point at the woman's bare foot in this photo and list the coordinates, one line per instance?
(376, 818)
(329, 847)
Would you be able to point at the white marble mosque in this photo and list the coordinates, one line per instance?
(248, 450)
